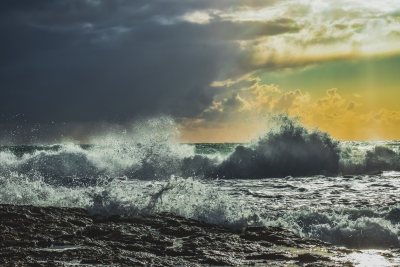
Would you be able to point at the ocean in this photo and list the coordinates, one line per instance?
(344, 193)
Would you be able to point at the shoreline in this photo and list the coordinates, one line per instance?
(52, 236)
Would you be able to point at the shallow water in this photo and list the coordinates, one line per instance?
(373, 258)
(359, 211)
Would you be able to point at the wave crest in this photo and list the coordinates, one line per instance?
(291, 150)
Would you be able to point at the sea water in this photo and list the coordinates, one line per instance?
(345, 193)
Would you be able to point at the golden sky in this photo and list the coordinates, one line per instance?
(336, 67)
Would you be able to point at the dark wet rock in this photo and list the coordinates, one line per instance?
(311, 258)
(35, 236)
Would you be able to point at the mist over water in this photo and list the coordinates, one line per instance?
(346, 193)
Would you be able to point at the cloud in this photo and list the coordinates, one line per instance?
(77, 61)
(329, 31)
(247, 103)
(248, 96)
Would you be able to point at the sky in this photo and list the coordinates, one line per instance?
(221, 69)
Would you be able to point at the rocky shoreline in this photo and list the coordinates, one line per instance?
(50, 236)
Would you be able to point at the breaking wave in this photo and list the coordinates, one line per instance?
(150, 150)
(185, 197)
(289, 150)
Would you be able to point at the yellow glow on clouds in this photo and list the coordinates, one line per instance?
(242, 112)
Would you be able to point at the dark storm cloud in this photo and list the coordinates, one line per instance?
(96, 60)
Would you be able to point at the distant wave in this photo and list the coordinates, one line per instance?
(373, 160)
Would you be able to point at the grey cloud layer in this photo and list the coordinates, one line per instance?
(99, 60)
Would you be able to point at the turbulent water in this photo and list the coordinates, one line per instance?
(346, 193)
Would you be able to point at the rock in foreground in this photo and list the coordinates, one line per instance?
(38, 236)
